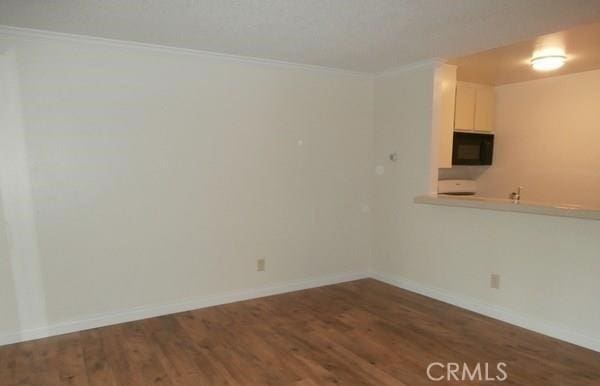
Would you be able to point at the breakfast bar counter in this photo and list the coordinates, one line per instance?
(506, 205)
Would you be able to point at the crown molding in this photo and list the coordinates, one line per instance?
(429, 63)
(7, 32)
(36, 34)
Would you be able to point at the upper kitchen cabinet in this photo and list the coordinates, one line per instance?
(464, 110)
(474, 107)
(484, 109)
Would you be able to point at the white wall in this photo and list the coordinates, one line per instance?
(549, 266)
(547, 136)
(9, 320)
(160, 176)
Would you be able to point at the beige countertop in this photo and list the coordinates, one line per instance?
(507, 205)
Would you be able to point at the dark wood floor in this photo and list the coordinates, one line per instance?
(358, 333)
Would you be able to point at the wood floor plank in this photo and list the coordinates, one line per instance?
(44, 365)
(358, 333)
(8, 365)
(70, 363)
(141, 356)
(23, 357)
(175, 352)
(117, 358)
(96, 361)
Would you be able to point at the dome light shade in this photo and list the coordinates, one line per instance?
(548, 62)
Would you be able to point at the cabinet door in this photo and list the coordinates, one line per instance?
(465, 106)
(484, 109)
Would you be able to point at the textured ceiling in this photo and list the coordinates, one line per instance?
(363, 35)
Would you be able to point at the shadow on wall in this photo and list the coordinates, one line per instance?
(26, 308)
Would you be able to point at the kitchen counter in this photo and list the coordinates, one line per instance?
(508, 206)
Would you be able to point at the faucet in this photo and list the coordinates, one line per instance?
(516, 196)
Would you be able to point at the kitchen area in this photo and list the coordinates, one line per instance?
(520, 125)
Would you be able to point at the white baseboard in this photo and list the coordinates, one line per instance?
(145, 312)
(493, 311)
(461, 301)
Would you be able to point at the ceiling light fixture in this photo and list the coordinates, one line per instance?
(548, 61)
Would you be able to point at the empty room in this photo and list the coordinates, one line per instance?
(299, 192)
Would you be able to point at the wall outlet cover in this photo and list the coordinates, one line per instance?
(495, 281)
(260, 265)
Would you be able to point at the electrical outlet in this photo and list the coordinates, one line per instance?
(495, 281)
(260, 265)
